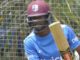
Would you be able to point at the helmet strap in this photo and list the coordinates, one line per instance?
(50, 19)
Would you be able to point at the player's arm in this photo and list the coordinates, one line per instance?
(30, 53)
(73, 40)
(78, 50)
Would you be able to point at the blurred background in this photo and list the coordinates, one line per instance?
(14, 27)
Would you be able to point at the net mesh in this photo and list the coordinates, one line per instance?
(14, 28)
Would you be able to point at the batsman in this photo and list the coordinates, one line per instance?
(48, 40)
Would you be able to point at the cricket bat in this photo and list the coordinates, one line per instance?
(60, 40)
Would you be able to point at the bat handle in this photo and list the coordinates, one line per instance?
(67, 56)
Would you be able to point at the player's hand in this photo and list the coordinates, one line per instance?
(67, 56)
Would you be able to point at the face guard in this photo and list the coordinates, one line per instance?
(38, 24)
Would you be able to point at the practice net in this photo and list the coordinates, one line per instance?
(14, 27)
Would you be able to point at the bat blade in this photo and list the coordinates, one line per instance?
(59, 36)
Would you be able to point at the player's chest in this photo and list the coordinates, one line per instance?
(48, 50)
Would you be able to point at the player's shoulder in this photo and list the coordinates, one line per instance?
(29, 38)
(65, 26)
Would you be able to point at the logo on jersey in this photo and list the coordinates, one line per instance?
(75, 39)
(35, 8)
(52, 58)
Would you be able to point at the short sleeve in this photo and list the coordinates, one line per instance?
(30, 52)
(72, 39)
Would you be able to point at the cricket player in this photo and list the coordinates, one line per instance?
(40, 44)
